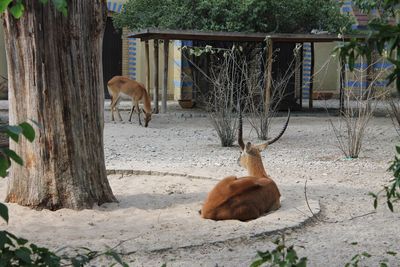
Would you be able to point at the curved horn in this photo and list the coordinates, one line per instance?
(283, 130)
(240, 130)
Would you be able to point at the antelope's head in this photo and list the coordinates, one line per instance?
(250, 154)
(147, 118)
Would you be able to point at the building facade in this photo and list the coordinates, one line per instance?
(126, 56)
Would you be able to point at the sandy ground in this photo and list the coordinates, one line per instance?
(157, 213)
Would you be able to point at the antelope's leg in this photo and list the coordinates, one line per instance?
(112, 107)
(138, 110)
(246, 212)
(116, 107)
(132, 109)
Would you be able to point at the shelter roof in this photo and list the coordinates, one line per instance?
(149, 34)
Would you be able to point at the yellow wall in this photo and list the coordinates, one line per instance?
(326, 68)
(141, 66)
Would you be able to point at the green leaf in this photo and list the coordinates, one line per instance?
(366, 254)
(390, 205)
(398, 83)
(4, 165)
(351, 60)
(4, 212)
(22, 241)
(13, 156)
(17, 10)
(13, 132)
(257, 263)
(116, 257)
(302, 262)
(5, 240)
(391, 44)
(353, 243)
(27, 131)
(391, 253)
(375, 203)
(24, 254)
(291, 255)
(4, 4)
(398, 149)
(61, 5)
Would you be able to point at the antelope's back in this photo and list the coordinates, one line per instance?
(241, 198)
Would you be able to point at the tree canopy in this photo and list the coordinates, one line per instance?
(289, 16)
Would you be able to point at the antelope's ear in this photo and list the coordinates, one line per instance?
(247, 148)
(261, 147)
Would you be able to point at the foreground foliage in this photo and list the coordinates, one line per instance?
(16, 251)
(391, 191)
(357, 259)
(383, 38)
(17, 8)
(280, 256)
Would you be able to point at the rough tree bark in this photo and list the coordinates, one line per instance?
(55, 78)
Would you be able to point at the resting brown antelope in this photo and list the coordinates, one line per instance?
(247, 197)
(122, 87)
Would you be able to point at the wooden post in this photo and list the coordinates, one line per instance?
(155, 77)
(165, 80)
(342, 86)
(268, 71)
(301, 75)
(310, 98)
(147, 55)
(297, 72)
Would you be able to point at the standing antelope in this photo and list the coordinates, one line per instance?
(247, 197)
(122, 87)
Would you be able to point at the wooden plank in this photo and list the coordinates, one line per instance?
(147, 55)
(149, 34)
(165, 78)
(155, 77)
(301, 75)
(342, 86)
(268, 74)
(310, 98)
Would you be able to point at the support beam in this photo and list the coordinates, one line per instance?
(155, 77)
(310, 98)
(165, 78)
(301, 76)
(147, 55)
(342, 86)
(268, 75)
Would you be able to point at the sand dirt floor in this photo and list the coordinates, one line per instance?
(161, 175)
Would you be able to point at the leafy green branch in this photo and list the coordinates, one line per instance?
(6, 154)
(281, 255)
(392, 190)
(16, 251)
(383, 38)
(17, 7)
(357, 259)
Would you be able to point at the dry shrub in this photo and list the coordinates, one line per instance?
(359, 105)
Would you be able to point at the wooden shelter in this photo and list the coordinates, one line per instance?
(270, 39)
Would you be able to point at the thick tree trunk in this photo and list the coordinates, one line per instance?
(55, 78)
